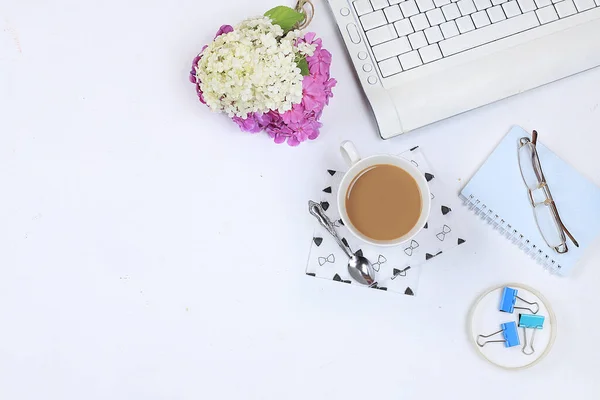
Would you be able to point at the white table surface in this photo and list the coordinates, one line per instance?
(150, 250)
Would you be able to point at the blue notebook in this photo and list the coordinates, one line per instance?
(498, 195)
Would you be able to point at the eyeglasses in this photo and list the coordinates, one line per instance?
(546, 214)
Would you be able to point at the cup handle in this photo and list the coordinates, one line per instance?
(349, 153)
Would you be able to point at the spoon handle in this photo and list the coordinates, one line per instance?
(318, 212)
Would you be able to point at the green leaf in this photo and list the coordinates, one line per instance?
(285, 17)
(303, 65)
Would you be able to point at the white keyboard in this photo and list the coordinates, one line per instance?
(406, 34)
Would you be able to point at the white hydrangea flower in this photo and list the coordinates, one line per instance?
(252, 69)
(307, 49)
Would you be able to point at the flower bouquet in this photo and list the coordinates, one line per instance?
(267, 75)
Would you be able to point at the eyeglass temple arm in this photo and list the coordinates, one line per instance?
(562, 225)
(534, 136)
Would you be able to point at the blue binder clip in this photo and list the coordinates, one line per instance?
(534, 322)
(509, 332)
(509, 298)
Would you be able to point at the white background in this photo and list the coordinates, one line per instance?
(151, 250)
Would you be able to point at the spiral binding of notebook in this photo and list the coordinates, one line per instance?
(505, 229)
(498, 195)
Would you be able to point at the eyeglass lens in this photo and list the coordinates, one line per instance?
(548, 225)
(527, 162)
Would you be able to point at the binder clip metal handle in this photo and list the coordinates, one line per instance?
(528, 350)
(510, 336)
(534, 322)
(480, 344)
(509, 298)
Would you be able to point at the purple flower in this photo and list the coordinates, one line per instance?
(200, 95)
(193, 77)
(223, 30)
(295, 115)
(313, 93)
(194, 68)
(248, 124)
(254, 122)
(278, 131)
(307, 129)
(319, 63)
(329, 85)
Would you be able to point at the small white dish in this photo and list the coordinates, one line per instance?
(485, 318)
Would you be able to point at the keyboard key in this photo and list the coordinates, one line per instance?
(373, 20)
(483, 4)
(419, 22)
(511, 9)
(430, 53)
(403, 27)
(498, 2)
(435, 17)
(392, 48)
(395, 1)
(480, 19)
(417, 40)
(379, 4)
(393, 13)
(381, 34)
(547, 14)
(496, 14)
(450, 29)
(410, 60)
(433, 34)
(583, 5)
(390, 67)
(451, 11)
(542, 3)
(441, 3)
(409, 8)
(425, 5)
(363, 7)
(466, 7)
(465, 24)
(526, 5)
(565, 8)
(488, 33)
(556, 1)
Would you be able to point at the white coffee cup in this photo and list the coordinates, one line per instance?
(357, 165)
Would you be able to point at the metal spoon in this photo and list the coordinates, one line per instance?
(359, 267)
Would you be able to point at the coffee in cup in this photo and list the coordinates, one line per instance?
(383, 199)
(383, 202)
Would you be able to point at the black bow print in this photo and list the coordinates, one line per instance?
(324, 260)
(380, 260)
(400, 272)
(338, 278)
(413, 245)
(442, 235)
